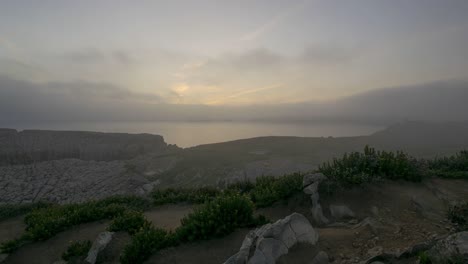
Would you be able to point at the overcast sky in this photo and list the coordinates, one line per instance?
(227, 52)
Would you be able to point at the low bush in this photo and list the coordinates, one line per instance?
(455, 166)
(357, 168)
(424, 258)
(268, 190)
(144, 243)
(129, 221)
(264, 191)
(178, 195)
(43, 223)
(12, 245)
(458, 215)
(77, 249)
(8, 211)
(217, 218)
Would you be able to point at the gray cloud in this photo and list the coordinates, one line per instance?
(95, 56)
(23, 101)
(327, 55)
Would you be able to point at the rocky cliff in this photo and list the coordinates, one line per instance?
(30, 146)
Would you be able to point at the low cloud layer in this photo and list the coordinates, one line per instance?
(24, 101)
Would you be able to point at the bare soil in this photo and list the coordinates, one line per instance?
(11, 228)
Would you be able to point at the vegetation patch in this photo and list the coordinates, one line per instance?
(216, 218)
(130, 221)
(454, 167)
(8, 211)
(12, 245)
(190, 195)
(356, 168)
(45, 222)
(77, 251)
(263, 192)
(268, 190)
(145, 243)
(458, 215)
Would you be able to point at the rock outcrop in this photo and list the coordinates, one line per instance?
(70, 167)
(267, 243)
(453, 247)
(30, 146)
(310, 184)
(99, 245)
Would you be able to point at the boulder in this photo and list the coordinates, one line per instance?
(311, 178)
(341, 212)
(3, 257)
(266, 244)
(310, 184)
(454, 246)
(103, 239)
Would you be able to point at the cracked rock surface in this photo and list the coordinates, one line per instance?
(269, 242)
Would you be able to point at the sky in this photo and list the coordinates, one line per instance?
(225, 53)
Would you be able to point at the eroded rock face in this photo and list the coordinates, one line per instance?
(30, 146)
(266, 244)
(99, 244)
(310, 184)
(454, 246)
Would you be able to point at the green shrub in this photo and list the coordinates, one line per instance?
(357, 168)
(129, 221)
(455, 166)
(268, 190)
(424, 258)
(458, 215)
(217, 218)
(77, 249)
(145, 243)
(12, 245)
(8, 211)
(172, 195)
(47, 222)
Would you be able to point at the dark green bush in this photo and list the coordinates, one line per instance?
(8, 211)
(77, 249)
(455, 166)
(458, 215)
(217, 218)
(129, 221)
(357, 168)
(144, 243)
(12, 245)
(268, 190)
(190, 195)
(47, 222)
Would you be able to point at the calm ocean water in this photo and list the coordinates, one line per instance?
(187, 134)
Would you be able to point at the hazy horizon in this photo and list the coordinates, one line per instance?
(304, 61)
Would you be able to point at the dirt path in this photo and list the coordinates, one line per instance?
(51, 250)
(168, 216)
(213, 251)
(11, 228)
